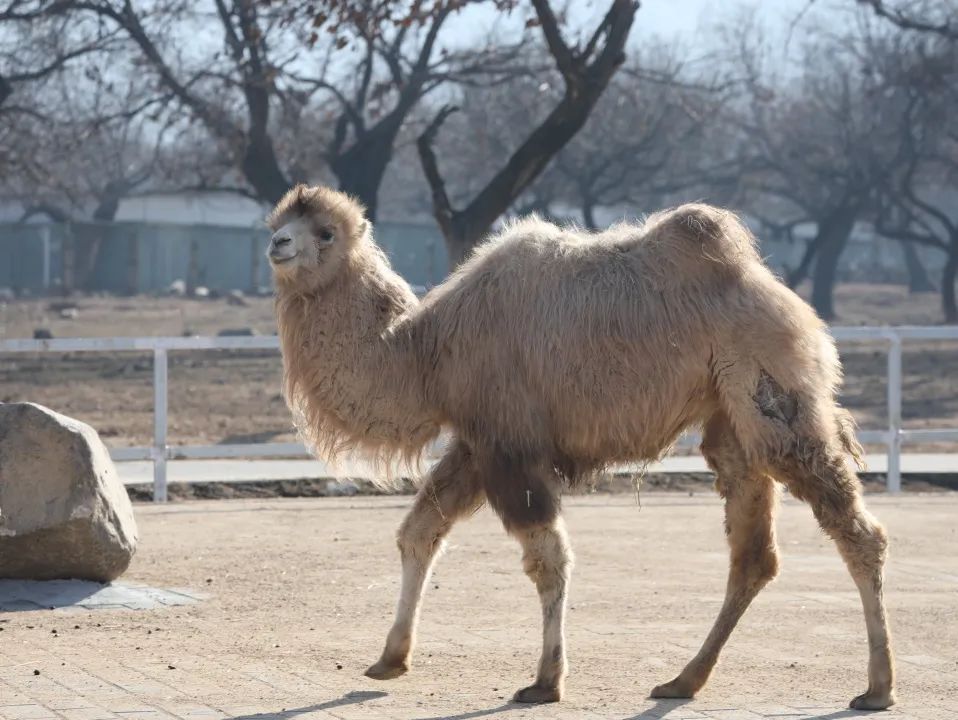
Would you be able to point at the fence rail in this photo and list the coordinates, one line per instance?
(159, 452)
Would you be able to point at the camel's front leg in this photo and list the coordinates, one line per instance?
(525, 494)
(450, 493)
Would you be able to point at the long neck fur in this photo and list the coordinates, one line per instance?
(350, 381)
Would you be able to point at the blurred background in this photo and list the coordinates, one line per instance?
(142, 143)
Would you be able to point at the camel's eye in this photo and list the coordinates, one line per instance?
(325, 236)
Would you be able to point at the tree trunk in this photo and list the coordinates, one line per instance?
(6, 89)
(795, 276)
(948, 276)
(918, 280)
(87, 246)
(362, 178)
(262, 171)
(361, 168)
(834, 232)
(588, 216)
(193, 267)
(68, 260)
(133, 266)
(458, 249)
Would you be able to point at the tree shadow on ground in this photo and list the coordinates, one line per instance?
(350, 698)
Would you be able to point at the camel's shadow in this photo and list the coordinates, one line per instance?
(350, 698)
(661, 709)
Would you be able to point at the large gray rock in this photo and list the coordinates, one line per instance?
(63, 511)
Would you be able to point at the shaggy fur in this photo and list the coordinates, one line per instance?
(551, 353)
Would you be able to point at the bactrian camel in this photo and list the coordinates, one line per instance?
(552, 353)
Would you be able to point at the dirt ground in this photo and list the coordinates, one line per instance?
(234, 397)
(301, 593)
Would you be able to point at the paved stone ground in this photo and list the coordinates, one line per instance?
(301, 592)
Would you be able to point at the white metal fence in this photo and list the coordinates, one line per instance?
(159, 452)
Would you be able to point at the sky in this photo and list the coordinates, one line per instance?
(682, 19)
(685, 22)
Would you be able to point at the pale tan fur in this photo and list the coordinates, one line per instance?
(551, 353)
(349, 384)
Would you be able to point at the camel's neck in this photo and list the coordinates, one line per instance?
(350, 381)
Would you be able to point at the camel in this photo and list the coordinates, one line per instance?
(552, 353)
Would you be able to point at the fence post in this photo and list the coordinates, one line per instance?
(893, 476)
(159, 424)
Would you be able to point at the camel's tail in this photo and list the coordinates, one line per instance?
(846, 433)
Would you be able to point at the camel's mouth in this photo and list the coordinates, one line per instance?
(280, 260)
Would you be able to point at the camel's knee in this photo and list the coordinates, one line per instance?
(750, 526)
(547, 555)
(758, 564)
(755, 558)
(421, 532)
(451, 494)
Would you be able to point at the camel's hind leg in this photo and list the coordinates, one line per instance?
(750, 500)
(819, 474)
(451, 492)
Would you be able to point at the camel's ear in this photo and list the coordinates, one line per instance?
(302, 198)
(362, 228)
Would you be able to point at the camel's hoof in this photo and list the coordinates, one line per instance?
(537, 694)
(383, 670)
(675, 689)
(873, 701)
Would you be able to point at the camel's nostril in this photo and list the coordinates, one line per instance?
(280, 241)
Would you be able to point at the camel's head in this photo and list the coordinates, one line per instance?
(314, 230)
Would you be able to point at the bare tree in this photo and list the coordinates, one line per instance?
(585, 72)
(82, 136)
(34, 51)
(278, 66)
(394, 71)
(918, 198)
(650, 139)
(823, 141)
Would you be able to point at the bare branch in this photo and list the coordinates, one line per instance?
(905, 21)
(442, 207)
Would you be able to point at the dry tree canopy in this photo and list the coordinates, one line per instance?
(370, 18)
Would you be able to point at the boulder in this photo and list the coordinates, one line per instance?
(63, 511)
